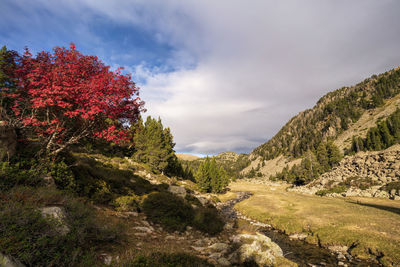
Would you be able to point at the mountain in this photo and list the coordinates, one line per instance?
(336, 118)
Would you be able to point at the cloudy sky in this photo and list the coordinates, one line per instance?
(224, 75)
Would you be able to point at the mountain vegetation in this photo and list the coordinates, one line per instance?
(313, 164)
(154, 146)
(75, 153)
(210, 177)
(332, 115)
(384, 135)
(65, 96)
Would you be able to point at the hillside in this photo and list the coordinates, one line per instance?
(187, 157)
(338, 116)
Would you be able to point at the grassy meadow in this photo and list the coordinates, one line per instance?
(371, 226)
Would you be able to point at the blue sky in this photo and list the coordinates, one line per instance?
(224, 75)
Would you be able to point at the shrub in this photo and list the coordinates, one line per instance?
(168, 210)
(24, 172)
(208, 220)
(126, 203)
(390, 186)
(34, 240)
(168, 260)
(337, 189)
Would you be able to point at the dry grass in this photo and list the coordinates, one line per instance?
(188, 157)
(272, 166)
(367, 121)
(227, 196)
(373, 224)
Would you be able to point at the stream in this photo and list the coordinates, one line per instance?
(300, 252)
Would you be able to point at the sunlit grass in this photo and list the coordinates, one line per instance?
(373, 224)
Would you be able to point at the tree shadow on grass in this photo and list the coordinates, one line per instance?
(381, 207)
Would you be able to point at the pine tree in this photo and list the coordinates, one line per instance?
(210, 177)
(154, 146)
(322, 156)
(334, 154)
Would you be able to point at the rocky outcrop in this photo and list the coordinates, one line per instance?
(365, 174)
(256, 248)
(177, 190)
(8, 141)
(58, 215)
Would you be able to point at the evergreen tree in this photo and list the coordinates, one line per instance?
(154, 146)
(334, 154)
(210, 177)
(322, 156)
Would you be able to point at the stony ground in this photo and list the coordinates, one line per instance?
(373, 170)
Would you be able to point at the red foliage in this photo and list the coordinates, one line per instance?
(64, 96)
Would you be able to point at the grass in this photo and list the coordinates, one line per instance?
(227, 196)
(372, 224)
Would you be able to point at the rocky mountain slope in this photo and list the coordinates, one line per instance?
(368, 174)
(337, 116)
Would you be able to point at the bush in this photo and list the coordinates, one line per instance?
(126, 203)
(168, 210)
(208, 220)
(390, 186)
(337, 189)
(35, 241)
(24, 172)
(168, 260)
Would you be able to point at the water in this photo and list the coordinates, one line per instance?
(305, 254)
(300, 252)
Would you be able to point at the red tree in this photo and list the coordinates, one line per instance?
(65, 96)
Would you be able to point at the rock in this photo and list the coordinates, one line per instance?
(58, 214)
(228, 226)
(199, 249)
(219, 247)
(177, 190)
(8, 141)
(393, 192)
(298, 236)
(215, 256)
(203, 200)
(381, 194)
(143, 229)
(49, 181)
(170, 237)
(200, 242)
(141, 234)
(107, 259)
(258, 248)
(223, 262)
(7, 261)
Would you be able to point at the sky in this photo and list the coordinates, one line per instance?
(224, 75)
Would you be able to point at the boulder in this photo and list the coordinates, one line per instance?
(219, 247)
(258, 248)
(58, 214)
(223, 262)
(8, 141)
(7, 261)
(177, 190)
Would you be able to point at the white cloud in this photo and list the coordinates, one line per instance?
(241, 69)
